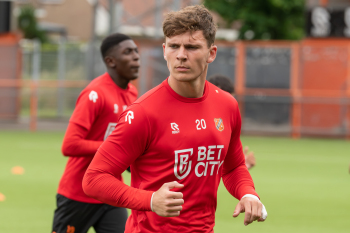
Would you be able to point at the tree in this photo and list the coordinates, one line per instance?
(27, 22)
(263, 19)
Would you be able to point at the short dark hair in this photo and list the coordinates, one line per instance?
(111, 41)
(222, 82)
(191, 18)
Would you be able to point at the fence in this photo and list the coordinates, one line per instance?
(9, 72)
(283, 88)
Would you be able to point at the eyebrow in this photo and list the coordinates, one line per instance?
(131, 48)
(186, 45)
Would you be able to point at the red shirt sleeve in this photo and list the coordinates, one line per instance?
(127, 142)
(235, 175)
(88, 107)
(75, 144)
(86, 110)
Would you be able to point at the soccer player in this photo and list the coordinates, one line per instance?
(225, 84)
(180, 139)
(95, 116)
(222, 82)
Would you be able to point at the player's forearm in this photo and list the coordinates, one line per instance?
(77, 147)
(239, 182)
(75, 144)
(108, 189)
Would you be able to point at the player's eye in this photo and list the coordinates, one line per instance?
(128, 51)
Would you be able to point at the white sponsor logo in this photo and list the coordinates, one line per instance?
(116, 108)
(182, 164)
(124, 107)
(320, 18)
(129, 116)
(93, 96)
(175, 128)
(110, 128)
(347, 22)
(208, 161)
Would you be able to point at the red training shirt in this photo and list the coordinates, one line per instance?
(166, 137)
(95, 116)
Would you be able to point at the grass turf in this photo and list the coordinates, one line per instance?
(304, 184)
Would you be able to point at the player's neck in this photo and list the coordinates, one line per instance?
(190, 89)
(119, 81)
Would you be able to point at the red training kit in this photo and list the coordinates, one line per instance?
(166, 137)
(95, 116)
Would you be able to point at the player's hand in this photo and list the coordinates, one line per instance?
(167, 203)
(250, 160)
(253, 208)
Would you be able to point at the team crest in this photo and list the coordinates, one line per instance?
(183, 163)
(219, 124)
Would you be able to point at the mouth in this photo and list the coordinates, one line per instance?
(181, 68)
(134, 67)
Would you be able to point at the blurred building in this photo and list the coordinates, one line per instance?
(72, 17)
(79, 18)
(329, 3)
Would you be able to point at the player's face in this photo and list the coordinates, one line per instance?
(126, 59)
(188, 56)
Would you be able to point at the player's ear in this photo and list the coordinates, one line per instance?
(212, 53)
(164, 51)
(110, 62)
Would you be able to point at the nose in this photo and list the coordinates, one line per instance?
(181, 55)
(136, 56)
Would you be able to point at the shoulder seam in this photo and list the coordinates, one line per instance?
(149, 125)
(149, 95)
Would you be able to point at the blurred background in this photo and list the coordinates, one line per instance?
(289, 62)
(287, 59)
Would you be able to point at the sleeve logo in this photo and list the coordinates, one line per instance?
(129, 116)
(93, 96)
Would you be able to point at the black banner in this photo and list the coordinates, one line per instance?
(5, 16)
(322, 23)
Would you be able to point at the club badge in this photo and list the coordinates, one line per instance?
(219, 124)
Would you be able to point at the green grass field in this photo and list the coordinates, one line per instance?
(304, 184)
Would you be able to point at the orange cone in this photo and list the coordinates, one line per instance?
(17, 170)
(2, 197)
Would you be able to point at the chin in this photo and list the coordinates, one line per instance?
(133, 76)
(184, 77)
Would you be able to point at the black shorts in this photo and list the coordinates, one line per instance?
(77, 217)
